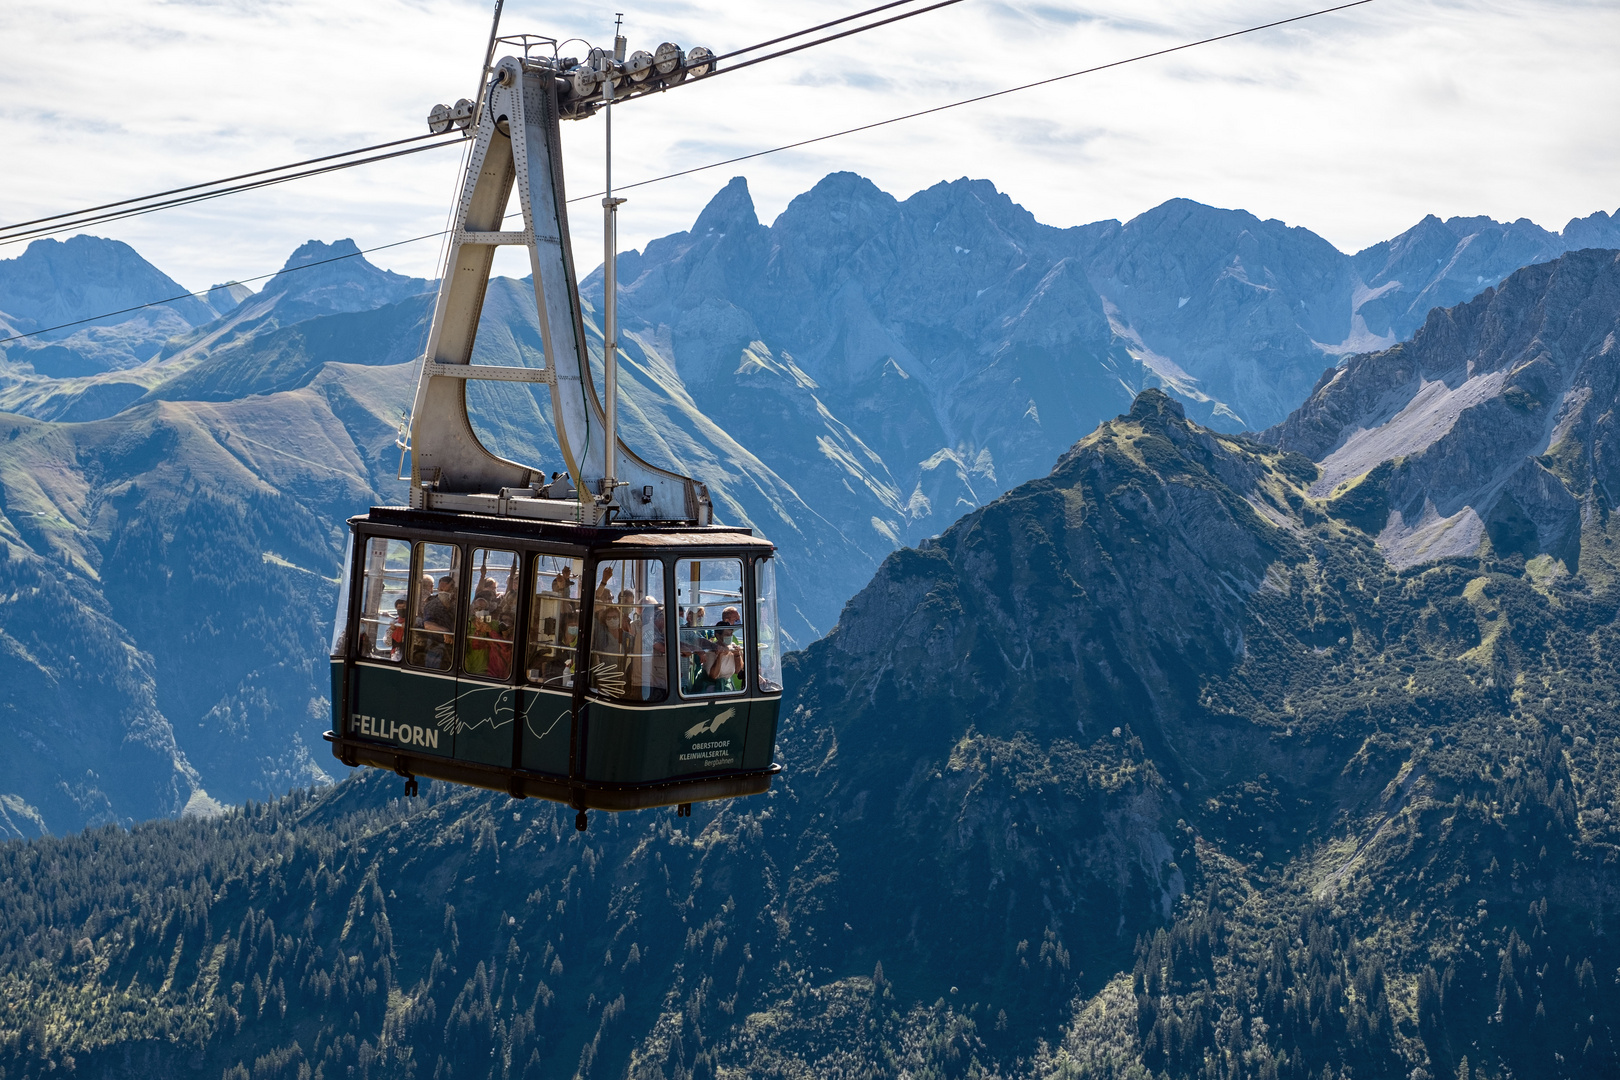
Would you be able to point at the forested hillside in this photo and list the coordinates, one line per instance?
(1152, 764)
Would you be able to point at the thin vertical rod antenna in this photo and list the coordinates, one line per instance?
(610, 288)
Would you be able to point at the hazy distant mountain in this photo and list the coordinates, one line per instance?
(1436, 264)
(188, 554)
(252, 346)
(55, 282)
(851, 378)
(902, 362)
(325, 279)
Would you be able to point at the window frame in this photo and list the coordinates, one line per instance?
(363, 546)
(531, 581)
(418, 544)
(757, 675)
(468, 590)
(588, 585)
(743, 603)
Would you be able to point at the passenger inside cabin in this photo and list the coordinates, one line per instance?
(557, 661)
(723, 663)
(439, 616)
(439, 613)
(396, 633)
(476, 661)
(610, 636)
(506, 607)
(693, 645)
(604, 589)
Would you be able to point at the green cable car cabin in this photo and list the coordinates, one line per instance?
(602, 668)
(593, 639)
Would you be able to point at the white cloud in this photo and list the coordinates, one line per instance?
(1354, 125)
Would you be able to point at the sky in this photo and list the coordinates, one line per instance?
(1354, 125)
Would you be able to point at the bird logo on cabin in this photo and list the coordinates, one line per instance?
(708, 727)
(452, 715)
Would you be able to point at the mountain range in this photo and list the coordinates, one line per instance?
(1169, 762)
(848, 380)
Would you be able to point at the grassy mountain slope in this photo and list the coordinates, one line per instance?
(195, 544)
(1152, 764)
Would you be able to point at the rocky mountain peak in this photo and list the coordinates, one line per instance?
(1490, 428)
(731, 208)
(325, 278)
(1154, 405)
(55, 281)
(1600, 230)
(1440, 263)
(839, 195)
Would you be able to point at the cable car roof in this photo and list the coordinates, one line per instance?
(638, 536)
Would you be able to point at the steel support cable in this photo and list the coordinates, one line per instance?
(981, 97)
(819, 41)
(215, 183)
(82, 216)
(20, 231)
(779, 149)
(812, 29)
(203, 196)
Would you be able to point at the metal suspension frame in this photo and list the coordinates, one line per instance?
(517, 142)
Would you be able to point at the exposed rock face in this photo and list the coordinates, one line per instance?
(324, 279)
(1247, 308)
(1494, 424)
(56, 281)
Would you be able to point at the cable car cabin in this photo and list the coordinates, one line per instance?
(595, 639)
(599, 667)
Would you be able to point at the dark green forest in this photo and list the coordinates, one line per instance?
(1270, 809)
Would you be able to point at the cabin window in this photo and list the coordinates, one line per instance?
(709, 612)
(492, 582)
(765, 625)
(554, 620)
(629, 640)
(340, 626)
(383, 599)
(431, 638)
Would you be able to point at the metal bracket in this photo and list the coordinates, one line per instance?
(490, 372)
(495, 239)
(516, 150)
